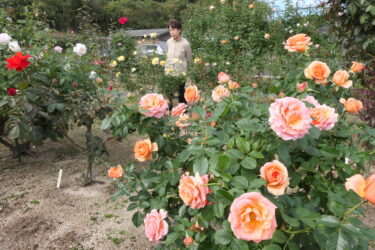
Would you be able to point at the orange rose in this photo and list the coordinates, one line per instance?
(143, 150)
(299, 42)
(341, 78)
(224, 42)
(319, 71)
(219, 92)
(193, 191)
(251, 5)
(115, 172)
(352, 105)
(178, 110)
(191, 94)
(233, 85)
(364, 188)
(183, 121)
(357, 67)
(188, 241)
(276, 175)
(324, 117)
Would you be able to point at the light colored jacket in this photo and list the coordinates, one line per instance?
(178, 56)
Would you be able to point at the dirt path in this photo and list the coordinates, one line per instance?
(36, 215)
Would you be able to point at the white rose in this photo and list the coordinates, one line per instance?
(13, 46)
(212, 7)
(93, 75)
(58, 49)
(4, 39)
(80, 49)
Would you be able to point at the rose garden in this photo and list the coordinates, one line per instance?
(274, 148)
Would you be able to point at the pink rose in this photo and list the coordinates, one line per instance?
(58, 49)
(153, 105)
(324, 117)
(233, 85)
(252, 217)
(188, 241)
(219, 92)
(193, 191)
(179, 109)
(289, 118)
(364, 188)
(123, 20)
(302, 87)
(276, 176)
(310, 99)
(183, 121)
(223, 78)
(155, 225)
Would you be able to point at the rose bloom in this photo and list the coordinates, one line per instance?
(352, 105)
(188, 241)
(299, 42)
(267, 36)
(254, 85)
(324, 117)
(251, 6)
(58, 49)
(143, 150)
(196, 227)
(12, 91)
(319, 71)
(153, 105)
(14, 46)
(18, 62)
(123, 20)
(191, 94)
(193, 191)
(364, 188)
(341, 78)
(4, 39)
(219, 92)
(289, 118)
(252, 217)
(80, 49)
(155, 225)
(357, 67)
(310, 99)
(223, 78)
(302, 87)
(121, 58)
(110, 88)
(115, 172)
(224, 41)
(276, 176)
(183, 121)
(233, 85)
(179, 109)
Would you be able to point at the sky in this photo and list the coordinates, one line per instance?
(279, 4)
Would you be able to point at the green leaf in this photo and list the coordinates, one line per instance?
(223, 163)
(257, 183)
(242, 144)
(132, 206)
(106, 123)
(200, 111)
(283, 151)
(201, 166)
(14, 132)
(256, 154)
(329, 221)
(223, 237)
(291, 221)
(279, 237)
(234, 154)
(330, 152)
(116, 121)
(182, 211)
(137, 219)
(249, 163)
(337, 241)
(219, 209)
(240, 182)
(237, 244)
(224, 196)
(171, 238)
(314, 132)
(272, 247)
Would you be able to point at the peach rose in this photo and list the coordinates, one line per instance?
(251, 5)
(289, 118)
(179, 109)
(267, 36)
(352, 105)
(115, 172)
(299, 42)
(233, 85)
(191, 94)
(223, 77)
(193, 191)
(155, 225)
(143, 150)
(341, 78)
(219, 92)
(364, 188)
(276, 176)
(302, 87)
(254, 85)
(153, 105)
(357, 67)
(183, 121)
(310, 99)
(252, 217)
(324, 117)
(188, 241)
(319, 71)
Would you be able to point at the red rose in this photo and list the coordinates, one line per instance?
(110, 88)
(123, 20)
(12, 91)
(18, 61)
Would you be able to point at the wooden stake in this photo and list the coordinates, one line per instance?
(59, 179)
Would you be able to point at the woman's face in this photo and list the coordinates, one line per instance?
(174, 32)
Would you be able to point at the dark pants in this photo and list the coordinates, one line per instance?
(181, 93)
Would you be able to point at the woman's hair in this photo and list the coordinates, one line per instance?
(175, 24)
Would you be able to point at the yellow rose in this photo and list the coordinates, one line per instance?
(155, 60)
(168, 70)
(118, 74)
(134, 69)
(113, 64)
(197, 60)
(121, 58)
(162, 63)
(153, 35)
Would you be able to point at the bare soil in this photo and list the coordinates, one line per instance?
(34, 214)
